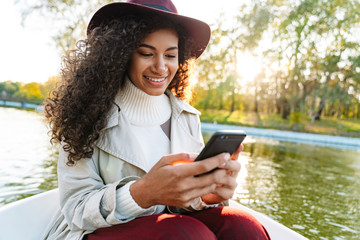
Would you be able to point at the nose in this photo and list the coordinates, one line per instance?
(159, 65)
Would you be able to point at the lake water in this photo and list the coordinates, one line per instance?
(312, 190)
(25, 155)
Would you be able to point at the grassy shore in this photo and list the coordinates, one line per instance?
(299, 123)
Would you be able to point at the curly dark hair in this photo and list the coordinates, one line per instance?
(92, 75)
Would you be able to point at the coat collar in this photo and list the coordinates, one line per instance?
(178, 105)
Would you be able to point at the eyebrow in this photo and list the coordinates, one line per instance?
(153, 48)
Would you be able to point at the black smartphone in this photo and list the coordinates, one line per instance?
(222, 141)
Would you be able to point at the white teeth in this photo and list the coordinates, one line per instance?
(156, 79)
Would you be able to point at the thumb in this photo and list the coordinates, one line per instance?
(177, 158)
(235, 155)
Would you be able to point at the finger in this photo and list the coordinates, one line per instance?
(213, 177)
(235, 155)
(212, 198)
(224, 193)
(235, 170)
(206, 165)
(181, 162)
(233, 166)
(222, 179)
(185, 200)
(227, 182)
(171, 159)
(198, 192)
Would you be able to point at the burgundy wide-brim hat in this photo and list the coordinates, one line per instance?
(198, 30)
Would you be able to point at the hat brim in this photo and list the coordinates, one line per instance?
(198, 30)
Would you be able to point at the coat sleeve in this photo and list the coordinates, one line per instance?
(86, 202)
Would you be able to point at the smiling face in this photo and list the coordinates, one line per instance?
(154, 64)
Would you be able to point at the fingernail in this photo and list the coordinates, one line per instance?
(227, 156)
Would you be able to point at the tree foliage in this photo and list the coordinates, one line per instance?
(311, 54)
(310, 51)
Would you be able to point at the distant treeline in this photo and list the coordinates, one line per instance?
(33, 92)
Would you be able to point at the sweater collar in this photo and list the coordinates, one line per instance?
(177, 105)
(141, 108)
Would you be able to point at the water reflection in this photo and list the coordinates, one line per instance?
(314, 190)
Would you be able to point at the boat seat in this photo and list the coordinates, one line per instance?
(26, 219)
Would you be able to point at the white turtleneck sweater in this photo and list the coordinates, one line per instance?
(149, 117)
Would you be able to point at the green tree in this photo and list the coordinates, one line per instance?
(9, 89)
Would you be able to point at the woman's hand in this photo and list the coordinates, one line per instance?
(177, 185)
(227, 180)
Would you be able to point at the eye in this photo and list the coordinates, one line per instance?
(171, 55)
(145, 54)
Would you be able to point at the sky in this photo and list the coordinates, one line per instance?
(28, 53)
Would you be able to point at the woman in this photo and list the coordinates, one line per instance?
(124, 128)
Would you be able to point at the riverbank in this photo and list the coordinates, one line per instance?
(289, 136)
(20, 105)
(295, 123)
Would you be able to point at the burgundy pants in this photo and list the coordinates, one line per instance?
(216, 223)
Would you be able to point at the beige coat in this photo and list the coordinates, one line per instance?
(88, 190)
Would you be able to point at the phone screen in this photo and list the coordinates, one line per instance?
(222, 141)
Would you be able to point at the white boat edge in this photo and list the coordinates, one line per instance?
(29, 217)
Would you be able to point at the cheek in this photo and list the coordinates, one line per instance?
(136, 64)
(174, 67)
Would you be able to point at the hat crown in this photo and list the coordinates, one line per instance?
(197, 30)
(164, 5)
